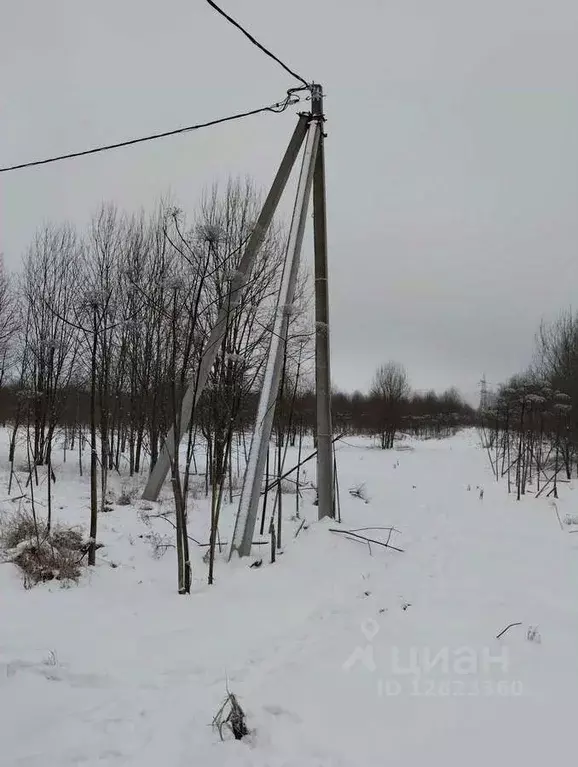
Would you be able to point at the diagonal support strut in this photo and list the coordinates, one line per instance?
(250, 494)
(238, 283)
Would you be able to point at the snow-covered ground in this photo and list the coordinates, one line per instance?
(342, 655)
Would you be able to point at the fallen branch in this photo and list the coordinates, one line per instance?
(359, 492)
(226, 543)
(506, 629)
(552, 478)
(310, 457)
(147, 517)
(303, 523)
(389, 529)
(190, 537)
(364, 538)
(223, 543)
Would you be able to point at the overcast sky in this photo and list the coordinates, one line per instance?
(452, 154)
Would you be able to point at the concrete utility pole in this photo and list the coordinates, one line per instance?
(310, 130)
(251, 492)
(237, 286)
(325, 484)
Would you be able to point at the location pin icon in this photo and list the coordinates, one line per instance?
(369, 629)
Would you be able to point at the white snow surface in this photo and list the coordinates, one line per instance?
(331, 650)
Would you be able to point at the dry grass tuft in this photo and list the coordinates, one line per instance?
(41, 555)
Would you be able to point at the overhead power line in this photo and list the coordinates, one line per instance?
(276, 108)
(261, 47)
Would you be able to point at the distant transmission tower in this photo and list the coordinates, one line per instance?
(484, 399)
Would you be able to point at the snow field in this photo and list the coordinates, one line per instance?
(340, 654)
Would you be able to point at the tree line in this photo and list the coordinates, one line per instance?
(102, 330)
(531, 424)
(388, 408)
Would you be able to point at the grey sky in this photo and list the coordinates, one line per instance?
(452, 156)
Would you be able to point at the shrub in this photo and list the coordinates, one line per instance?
(42, 556)
(289, 486)
(127, 496)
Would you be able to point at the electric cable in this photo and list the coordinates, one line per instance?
(277, 108)
(261, 47)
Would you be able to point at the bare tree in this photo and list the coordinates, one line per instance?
(224, 227)
(9, 324)
(390, 389)
(48, 288)
(112, 331)
(556, 365)
(556, 358)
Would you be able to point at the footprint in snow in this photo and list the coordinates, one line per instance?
(275, 710)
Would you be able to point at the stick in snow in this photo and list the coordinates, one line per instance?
(364, 538)
(556, 510)
(507, 627)
(302, 525)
